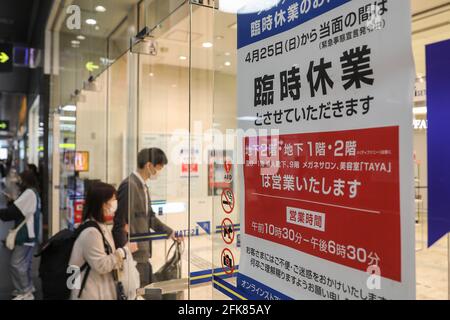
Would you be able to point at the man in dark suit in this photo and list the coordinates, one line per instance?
(134, 213)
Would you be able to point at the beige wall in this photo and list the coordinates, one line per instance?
(420, 149)
(118, 119)
(91, 129)
(164, 109)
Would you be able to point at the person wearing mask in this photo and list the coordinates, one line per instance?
(90, 248)
(26, 207)
(12, 184)
(134, 202)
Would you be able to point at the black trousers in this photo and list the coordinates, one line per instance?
(145, 272)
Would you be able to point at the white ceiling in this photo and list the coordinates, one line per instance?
(107, 22)
(418, 6)
(431, 23)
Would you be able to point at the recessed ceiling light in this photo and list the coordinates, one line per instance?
(70, 108)
(81, 37)
(183, 58)
(227, 64)
(420, 110)
(151, 74)
(100, 9)
(207, 44)
(75, 42)
(68, 119)
(247, 6)
(97, 28)
(219, 37)
(227, 54)
(91, 22)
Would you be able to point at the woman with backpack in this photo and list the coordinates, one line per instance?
(94, 251)
(25, 212)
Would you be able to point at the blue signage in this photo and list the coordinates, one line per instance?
(206, 226)
(438, 100)
(288, 14)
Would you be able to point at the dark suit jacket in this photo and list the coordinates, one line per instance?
(131, 210)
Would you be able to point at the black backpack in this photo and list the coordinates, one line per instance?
(55, 256)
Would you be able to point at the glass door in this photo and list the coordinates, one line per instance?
(183, 100)
(159, 125)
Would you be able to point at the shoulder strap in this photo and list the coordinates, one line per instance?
(21, 224)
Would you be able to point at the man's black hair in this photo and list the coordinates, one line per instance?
(153, 155)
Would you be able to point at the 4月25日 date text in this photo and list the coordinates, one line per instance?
(224, 310)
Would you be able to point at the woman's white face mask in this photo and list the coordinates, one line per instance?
(111, 211)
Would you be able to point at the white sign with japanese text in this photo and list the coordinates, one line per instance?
(328, 197)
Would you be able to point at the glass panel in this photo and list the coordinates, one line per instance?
(88, 49)
(201, 145)
(156, 11)
(226, 182)
(66, 128)
(118, 117)
(162, 95)
(91, 136)
(83, 151)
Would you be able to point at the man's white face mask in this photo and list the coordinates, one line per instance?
(153, 173)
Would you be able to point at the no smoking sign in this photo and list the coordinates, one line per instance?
(227, 201)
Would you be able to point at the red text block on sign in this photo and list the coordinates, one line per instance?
(333, 195)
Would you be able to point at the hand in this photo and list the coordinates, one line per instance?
(174, 237)
(133, 247)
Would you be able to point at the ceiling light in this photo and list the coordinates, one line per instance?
(70, 108)
(68, 119)
(247, 118)
(91, 22)
(227, 64)
(207, 45)
(227, 54)
(246, 6)
(183, 58)
(97, 28)
(219, 37)
(80, 37)
(151, 74)
(75, 42)
(420, 111)
(100, 9)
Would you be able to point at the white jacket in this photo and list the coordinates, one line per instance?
(89, 248)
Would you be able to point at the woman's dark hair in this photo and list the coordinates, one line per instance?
(33, 168)
(28, 181)
(98, 194)
(154, 155)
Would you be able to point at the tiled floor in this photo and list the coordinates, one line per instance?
(431, 268)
